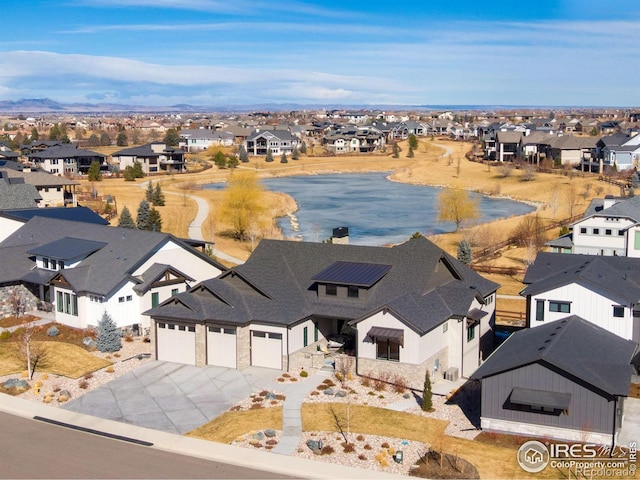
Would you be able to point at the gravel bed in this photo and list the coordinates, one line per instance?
(124, 361)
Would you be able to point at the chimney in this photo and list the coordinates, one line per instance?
(340, 236)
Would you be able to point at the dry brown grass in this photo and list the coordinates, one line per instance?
(56, 357)
(230, 425)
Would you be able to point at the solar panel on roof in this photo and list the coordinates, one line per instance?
(352, 273)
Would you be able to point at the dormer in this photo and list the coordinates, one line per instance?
(349, 280)
(64, 253)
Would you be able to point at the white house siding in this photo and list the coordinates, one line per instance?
(164, 292)
(301, 357)
(409, 353)
(588, 304)
(124, 313)
(591, 243)
(51, 196)
(184, 260)
(632, 239)
(570, 157)
(126, 161)
(76, 321)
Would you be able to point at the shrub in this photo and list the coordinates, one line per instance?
(255, 406)
(53, 331)
(329, 382)
(304, 374)
(257, 399)
(280, 379)
(88, 376)
(360, 438)
(315, 392)
(322, 386)
(379, 384)
(294, 379)
(280, 397)
(83, 384)
(128, 338)
(263, 393)
(368, 447)
(109, 369)
(5, 335)
(400, 384)
(271, 442)
(362, 457)
(286, 375)
(365, 382)
(348, 447)
(327, 450)
(385, 445)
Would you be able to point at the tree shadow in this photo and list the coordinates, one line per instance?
(467, 398)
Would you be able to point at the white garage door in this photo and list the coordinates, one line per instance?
(221, 346)
(266, 349)
(176, 343)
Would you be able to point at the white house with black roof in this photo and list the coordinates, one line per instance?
(84, 269)
(66, 159)
(278, 141)
(565, 380)
(400, 310)
(603, 290)
(155, 157)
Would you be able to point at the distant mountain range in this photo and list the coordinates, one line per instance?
(46, 105)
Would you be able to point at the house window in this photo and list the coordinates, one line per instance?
(59, 302)
(155, 299)
(561, 307)
(331, 290)
(129, 298)
(445, 327)
(583, 230)
(191, 328)
(352, 292)
(387, 350)
(174, 292)
(315, 332)
(596, 231)
(471, 332)
(305, 336)
(540, 310)
(636, 244)
(54, 265)
(45, 263)
(618, 311)
(120, 299)
(607, 231)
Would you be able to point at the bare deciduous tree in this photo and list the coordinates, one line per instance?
(18, 302)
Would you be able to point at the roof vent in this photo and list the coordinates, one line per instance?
(541, 348)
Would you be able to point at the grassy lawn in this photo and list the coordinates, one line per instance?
(55, 357)
(230, 425)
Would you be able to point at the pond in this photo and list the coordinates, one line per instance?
(376, 210)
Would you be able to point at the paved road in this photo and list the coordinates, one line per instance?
(34, 449)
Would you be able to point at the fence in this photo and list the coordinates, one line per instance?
(511, 317)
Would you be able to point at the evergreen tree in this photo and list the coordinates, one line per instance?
(427, 401)
(109, 339)
(137, 170)
(94, 140)
(269, 157)
(34, 134)
(129, 174)
(154, 221)
(149, 192)
(220, 160)
(303, 148)
(54, 133)
(410, 153)
(396, 150)
(464, 252)
(142, 218)
(158, 197)
(94, 174)
(105, 140)
(126, 220)
(295, 154)
(242, 153)
(121, 140)
(283, 158)
(232, 161)
(413, 141)
(172, 138)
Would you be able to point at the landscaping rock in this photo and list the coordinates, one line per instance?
(315, 446)
(270, 396)
(269, 432)
(341, 393)
(65, 393)
(406, 395)
(53, 331)
(15, 383)
(258, 436)
(329, 391)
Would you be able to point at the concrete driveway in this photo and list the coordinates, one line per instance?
(172, 397)
(630, 431)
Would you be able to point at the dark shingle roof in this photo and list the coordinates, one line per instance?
(572, 345)
(423, 285)
(78, 214)
(616, 277)
(17, 195)
(67, 248)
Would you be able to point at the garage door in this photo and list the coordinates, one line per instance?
(266, 349)
(221, 346)
(176, 343)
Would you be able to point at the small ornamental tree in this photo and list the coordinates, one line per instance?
(126, 220)
(464, 252)
(410, 153)
(427, 402)
(232, 161)
(129, 174)
(94, 174)
(220, 160)
(109, 339)
(269, 157)
(303, 148)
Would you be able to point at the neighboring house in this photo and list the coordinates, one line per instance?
(410, 127)
(85, 269)
(154, 157)
(603, 290)
(278, 141)
(609, 226)
(507, 144)
(570, 150)
(14, 193)
(400, 311)
(619, 151)
(194, 140)
(12, 219)
(566, 380)
(354, 139)
(55, 191)
(7, 154)
(66, 160)
(40, 145)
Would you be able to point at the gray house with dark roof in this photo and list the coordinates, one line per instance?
(276, 140)
(66, 160)
(400, 310)
(84, 269)
(566, 380)
(155, 157)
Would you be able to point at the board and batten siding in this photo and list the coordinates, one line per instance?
(586, 303)
(587, 410)
(296, 335)
(592, 243)
(409, 353)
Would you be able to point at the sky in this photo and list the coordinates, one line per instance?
(325, 53)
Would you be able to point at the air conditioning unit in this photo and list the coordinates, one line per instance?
(451, 374)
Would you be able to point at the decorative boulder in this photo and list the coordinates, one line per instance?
(53, 331)
(65, 393)
(15, 383)
(341, 393)
(270, 433)
(270, 396)
(329, 391)
(89, 342)
(315, 446)
(258, 436)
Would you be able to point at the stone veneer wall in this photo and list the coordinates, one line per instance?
(6, 310)
(305, 358)
(543, 431)
(201, 344)
(413, 374)
(243, 347)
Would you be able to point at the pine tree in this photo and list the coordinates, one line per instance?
(269, 157)
(105, 139)
(219, 159)
(396, 150)
(149, 192)
(242, 153)
(109, 339)
(283, 158)
(154, 221)
(232, 161)
(295, 154)
(142, 217)
(94, 174)
(303, 148)
(137, 170)
(410, 153)
(126, 220)
(464, 252)
(413, 141)
(427, 402)
(158, 197)
(121, 140)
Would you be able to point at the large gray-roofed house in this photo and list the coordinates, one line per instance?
(567, 380)
(66, 159)
(154, 157)
(84, 269)
(602, 289)
(290, 298)
(14, 193)
(276, 140)
(53, 189)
